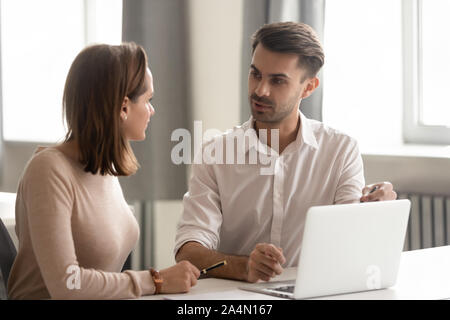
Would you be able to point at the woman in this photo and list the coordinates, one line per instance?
(74, 227)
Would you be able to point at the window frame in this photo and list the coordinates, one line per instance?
(413, 130)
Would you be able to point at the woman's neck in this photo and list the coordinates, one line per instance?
(70, 149)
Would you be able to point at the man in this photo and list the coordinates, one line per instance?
(255, 221)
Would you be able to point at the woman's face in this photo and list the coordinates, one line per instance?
(135, 115)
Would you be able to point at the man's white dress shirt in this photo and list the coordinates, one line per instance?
(232, 207)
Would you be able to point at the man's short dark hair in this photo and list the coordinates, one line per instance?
(292, 37)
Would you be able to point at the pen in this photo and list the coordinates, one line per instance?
(373, 189)
(218, 264)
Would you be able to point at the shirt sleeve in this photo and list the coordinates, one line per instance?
(202, 215)
(49, 198)
(351, 180)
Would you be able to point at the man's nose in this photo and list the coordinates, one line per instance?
(262, 89)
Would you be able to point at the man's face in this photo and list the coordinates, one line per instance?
(275, 86)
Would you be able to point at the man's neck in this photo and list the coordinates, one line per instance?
(288, 130)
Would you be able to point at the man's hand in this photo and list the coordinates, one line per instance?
(265, 262)
(381, 191)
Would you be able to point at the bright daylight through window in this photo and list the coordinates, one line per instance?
(39, 40)
(363, 70)
(386, 71)
(435, 66)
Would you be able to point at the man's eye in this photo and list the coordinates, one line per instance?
(255, 74)
(277, 81)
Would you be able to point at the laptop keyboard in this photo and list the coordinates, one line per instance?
(289, 289)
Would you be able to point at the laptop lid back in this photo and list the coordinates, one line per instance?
(351, 247)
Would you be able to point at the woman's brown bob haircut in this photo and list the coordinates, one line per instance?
(98, 81)
(292, 37)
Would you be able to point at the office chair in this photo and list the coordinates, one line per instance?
(7, 253)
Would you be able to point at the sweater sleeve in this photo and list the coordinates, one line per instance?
(48, 196)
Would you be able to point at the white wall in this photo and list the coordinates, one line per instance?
(166, 216)
(215, 62)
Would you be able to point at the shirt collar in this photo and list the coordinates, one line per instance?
(304, 135)
(249, 130)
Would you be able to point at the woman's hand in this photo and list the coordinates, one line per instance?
(179, 278)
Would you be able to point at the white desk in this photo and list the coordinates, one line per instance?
(423, 274)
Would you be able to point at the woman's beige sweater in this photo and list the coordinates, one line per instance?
(75, 232)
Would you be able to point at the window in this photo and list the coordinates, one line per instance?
(39, 40)
(426, 70)
(362, 93)
(386, 71)
(435, 69)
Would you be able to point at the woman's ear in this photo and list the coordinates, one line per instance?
(125, 108)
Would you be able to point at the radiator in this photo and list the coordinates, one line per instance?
(429, 221)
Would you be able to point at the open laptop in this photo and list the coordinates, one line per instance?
(346, 248)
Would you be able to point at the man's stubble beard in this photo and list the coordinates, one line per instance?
(275, 116)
